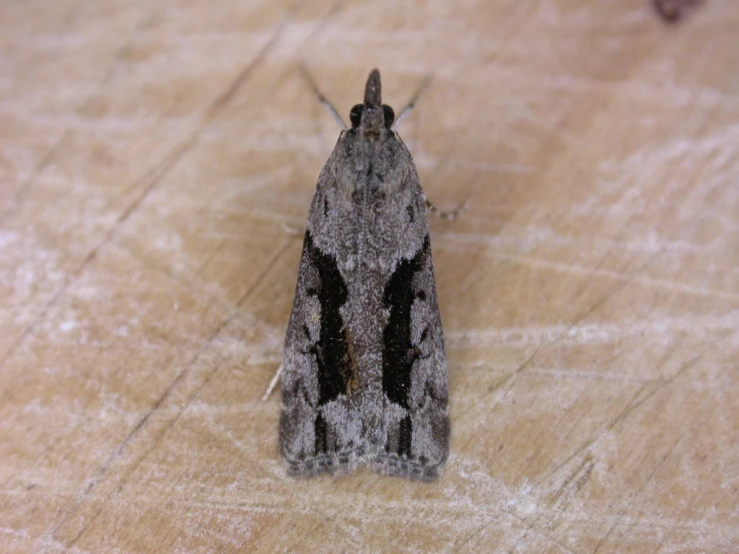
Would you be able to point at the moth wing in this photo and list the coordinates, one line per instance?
(323, 423)
(414, 373)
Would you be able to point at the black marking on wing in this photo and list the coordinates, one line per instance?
(331, 351)
(321, 433)
(399, 352)
(405, 433)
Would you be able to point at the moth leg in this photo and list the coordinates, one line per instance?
(444, 215)
(272, 384)
(293, 231)
(325, 101)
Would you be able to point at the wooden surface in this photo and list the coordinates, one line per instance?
(151, 156)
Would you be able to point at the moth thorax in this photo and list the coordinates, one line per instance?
(373, 122)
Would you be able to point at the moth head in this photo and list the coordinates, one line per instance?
(356, 115)
(372, 117)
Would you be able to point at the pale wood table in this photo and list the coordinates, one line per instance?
(152, 155)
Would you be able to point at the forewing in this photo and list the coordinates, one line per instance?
(414, 373)
(324, 423)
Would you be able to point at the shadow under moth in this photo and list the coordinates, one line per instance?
(364, 376)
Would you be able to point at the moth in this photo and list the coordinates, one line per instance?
(364, 374)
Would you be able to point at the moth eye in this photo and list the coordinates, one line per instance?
(421, 295)
(389, 115)
(356, 115)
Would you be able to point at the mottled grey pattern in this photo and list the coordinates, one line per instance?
(364, 371)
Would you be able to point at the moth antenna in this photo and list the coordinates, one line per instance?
(325, 101)
(412, 104)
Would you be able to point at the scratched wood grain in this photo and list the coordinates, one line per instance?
(152, 155)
